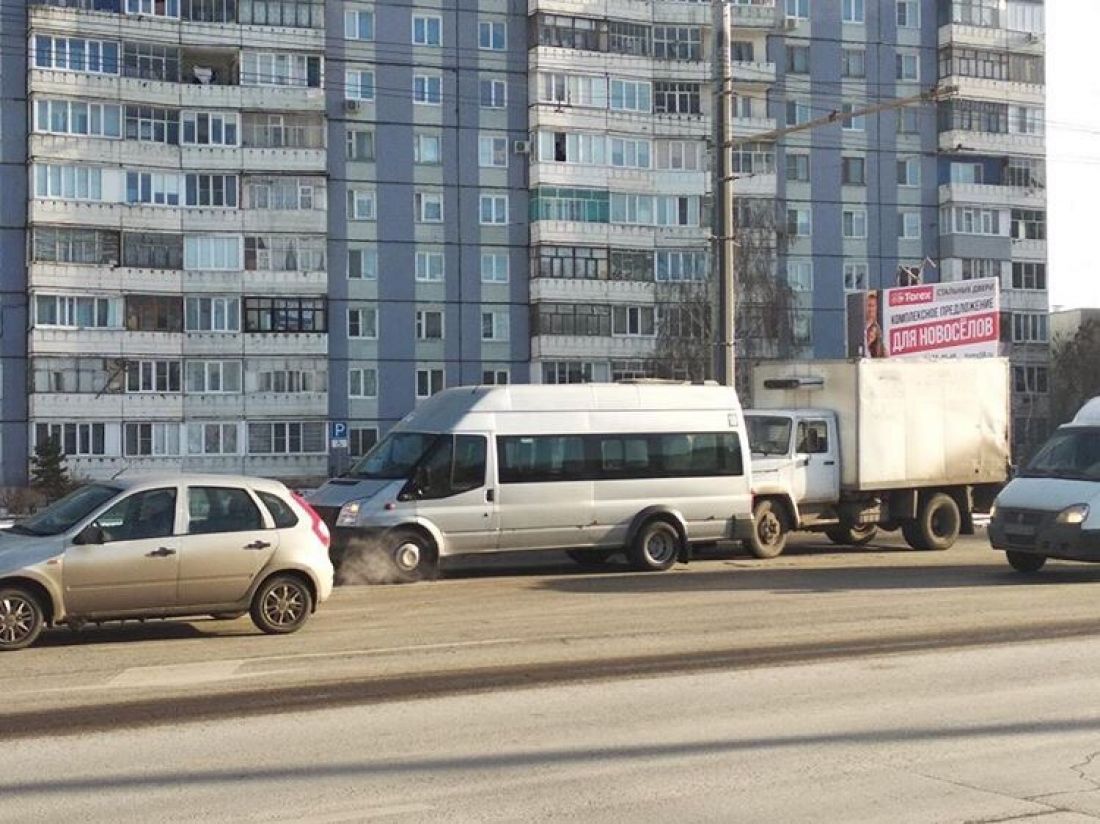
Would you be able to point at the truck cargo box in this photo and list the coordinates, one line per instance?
(902, 423)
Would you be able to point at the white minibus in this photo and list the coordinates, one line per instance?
(593, 469)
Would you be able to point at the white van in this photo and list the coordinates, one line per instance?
(1051, 509)
(595, 469)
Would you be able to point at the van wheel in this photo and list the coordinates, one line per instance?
(769, 530)
(21, 618)
(412, 556)
(282, 605)
(590, 558)
(1025, 561)
(655, 547)
(859, 535)
(937, 525)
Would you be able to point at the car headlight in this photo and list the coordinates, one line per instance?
(1075, 514)
(349, 514)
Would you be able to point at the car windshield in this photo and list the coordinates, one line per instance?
(394, 456)
(67, 512)
(1072, 453)
(768, 435)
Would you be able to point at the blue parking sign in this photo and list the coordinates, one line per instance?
(338, 435)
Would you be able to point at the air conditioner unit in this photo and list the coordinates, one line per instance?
(521, 147)
(351, 105)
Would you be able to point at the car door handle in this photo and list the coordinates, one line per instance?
(830, 463)
(257, 545)
(160, 552)
(490, 495)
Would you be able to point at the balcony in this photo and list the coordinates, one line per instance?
(1023, 249)
(996, 91)
(568, 231)
(753, 14)
(649, 181)
(90, 406)
(756, 184)
(580, 290)
(751, 126)
(992, 143)
(992, 195)
(988, 37)
(284, 343)
(745, 71)
(568, 118)
(591, 347)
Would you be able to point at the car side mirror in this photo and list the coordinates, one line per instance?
(91, 534)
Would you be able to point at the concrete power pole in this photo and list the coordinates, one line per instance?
(723, 190)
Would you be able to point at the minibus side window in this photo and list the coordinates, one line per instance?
(454, 465)
(469, 464)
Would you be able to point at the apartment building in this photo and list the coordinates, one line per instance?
(176, 261)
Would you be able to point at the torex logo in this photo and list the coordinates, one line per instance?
(916, 294)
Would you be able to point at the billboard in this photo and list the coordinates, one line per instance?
(933, 320)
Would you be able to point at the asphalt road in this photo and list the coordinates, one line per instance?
(501, 623)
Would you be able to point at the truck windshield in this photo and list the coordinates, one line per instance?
(67, 512)
(394, 456)
(768, 435)
(1072, 453)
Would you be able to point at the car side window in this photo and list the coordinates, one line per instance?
(280, 510)
(813, 438)
(213, 509)
(143, 515)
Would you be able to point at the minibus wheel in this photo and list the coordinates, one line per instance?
(412, 555)
(656, 546)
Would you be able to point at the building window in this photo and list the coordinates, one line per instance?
(286, 193)
(213, 376)
(1028, 327)
(361, 439)
(152, 125)
(359, 85)
(280, 69)
(799, 222)
(566, 147)
(676, 98)
(73, 312)
(909, 226)
(1030, 379)
(853, 63)
(75, 439)
(798, 59)
(428, 207)
(427, 149)
(493, 94)
(854, 223)
(590, 320)
(679, 266)
(363, 263)
(797, 9)
(495, 326)
(427, 30)
(680, 155)
(291, 438)
(210, 129)
(212, 315)
(495, 377)
(632, 321)
(150, 61)
(974, 268)
(363, 323)
(493, 210)
(908, 14)
(429, 324)
(148, 439)
(855, 277)
(587, 263)
(428, 382)
(677, 42)
(363, 383)
(628, 38)
(573, 372)
(154, 313)
(492, 152)
(798, 167)
(359, 24)
(56, 244)
(429, 266)
(217, 191)
(154, 8)
(361, 204)
(908, 67)
(970, 220)
(494, 267)
(852, 11)
(284, 253)
(798, 112)
(77, 118)
(212, 252)
(291, 381)
(213, 439)
(908, 121)
(630, 153)
(152, 189)
(1029, 275)
(853, 171)
(360, 144)
(1029, 224)
(263, 314)
(427, 89)
(800, 275)
(492, 36)
(909, 171)
(631, 96)
(68, 182)
(851, 122)
(75, 54)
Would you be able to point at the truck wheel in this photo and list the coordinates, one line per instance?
(413, 558)
(1025, 561)
(859, 535)
(769, 530)
(937, 524)
(590, 558)
(655, 547)
(21, 618)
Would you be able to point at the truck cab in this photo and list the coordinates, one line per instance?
(794, 453)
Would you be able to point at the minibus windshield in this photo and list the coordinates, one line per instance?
(1072, 453)
(394, 456)
(768, 435)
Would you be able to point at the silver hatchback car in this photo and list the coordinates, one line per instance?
(179, 546)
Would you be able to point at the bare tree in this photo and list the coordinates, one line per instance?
(686, 321)
(1074, 376)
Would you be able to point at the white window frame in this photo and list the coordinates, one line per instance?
(500, 326)
(223, 370)
(912, 172)
(422, 140)
(427, 89)
(354, 28)
(368, 263)
(497, 214)
(363, 382)
(227, 122)
(429, 373)
(213, 253)
(487, 39)
(856, 277)
(910, 225)
(498, 93)
(801, 212)
(857, 217)
(492, 270)
(54, 181)
(852, 124)
(796, 9)
(490, 150)
(853, 12)
(362, 204)
(367, 321)
(228, 307)
(634, 95)
(94, 114)
(907, 67)
(356, 89)
(164, 439)
(422, 30)
(800, 275)
(908, 14)
(198, 433)
(430, 266)
(424, 204)
(421, 324)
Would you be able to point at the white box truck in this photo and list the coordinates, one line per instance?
(851, 447)
(1051, 509)
(593, 469)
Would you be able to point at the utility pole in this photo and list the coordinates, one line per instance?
(725, 144)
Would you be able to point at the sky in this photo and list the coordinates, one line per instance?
(1073, 153)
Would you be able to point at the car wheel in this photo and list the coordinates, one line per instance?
(412, 556)
(859, 535)
(282, 605)
(937, 525)
(1025, 561)
(590, 558)
(21, 618)
(656, 546)
(769, 530)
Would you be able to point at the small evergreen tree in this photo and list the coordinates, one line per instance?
(49, 475)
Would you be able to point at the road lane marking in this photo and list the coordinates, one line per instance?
(175, 675)
(359, 653)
